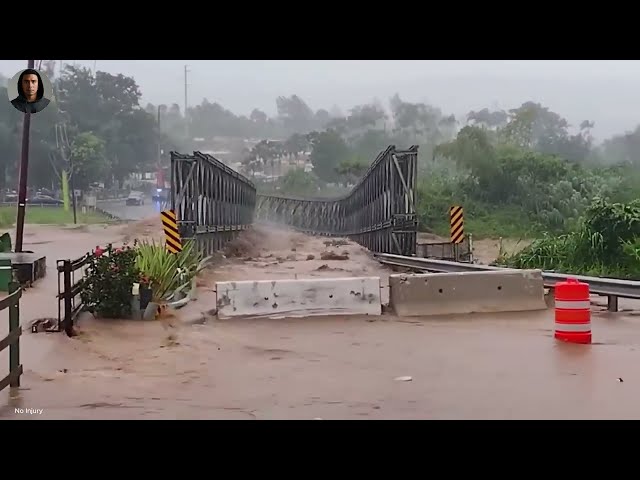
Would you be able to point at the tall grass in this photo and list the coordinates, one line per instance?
(50, 216)
(7, 218)
(607, 243)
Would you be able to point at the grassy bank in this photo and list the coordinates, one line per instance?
(49, 215)
(505, 222)
(606, 243)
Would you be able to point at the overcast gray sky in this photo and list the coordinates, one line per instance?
(605, 91)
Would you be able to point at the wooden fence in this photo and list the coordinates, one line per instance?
(12, 340)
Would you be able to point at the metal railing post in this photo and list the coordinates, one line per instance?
(14, 347)
(68, 300)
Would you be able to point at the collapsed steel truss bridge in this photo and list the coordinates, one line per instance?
(214, 203)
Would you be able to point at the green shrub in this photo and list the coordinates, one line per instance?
(108, 282)
(607, 243)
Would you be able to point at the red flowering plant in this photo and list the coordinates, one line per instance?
(108, 281)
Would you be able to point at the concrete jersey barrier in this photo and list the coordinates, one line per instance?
(299, 298)
(466, 292)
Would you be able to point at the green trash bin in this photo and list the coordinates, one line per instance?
(5, 274)
(5, 242)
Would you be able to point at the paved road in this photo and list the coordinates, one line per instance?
(121, 210)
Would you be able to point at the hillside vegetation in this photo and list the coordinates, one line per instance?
(517, 174)
(606, 243)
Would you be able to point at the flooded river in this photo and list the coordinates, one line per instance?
(335, 368)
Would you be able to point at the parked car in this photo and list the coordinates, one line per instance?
(135, 199)
(44, 200)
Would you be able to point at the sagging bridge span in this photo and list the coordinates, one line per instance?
(214, 203)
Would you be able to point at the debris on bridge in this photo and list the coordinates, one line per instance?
(247, 244)
(334, 256)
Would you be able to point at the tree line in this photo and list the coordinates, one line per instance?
(94, 122)
(518, 172)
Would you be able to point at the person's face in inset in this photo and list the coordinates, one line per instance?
(30, 86)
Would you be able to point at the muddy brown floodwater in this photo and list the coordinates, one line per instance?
(504, 366)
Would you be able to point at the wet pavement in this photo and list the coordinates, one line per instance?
(122, 211)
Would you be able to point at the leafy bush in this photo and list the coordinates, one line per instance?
(508, 190)
(607, 243)
(108, 282)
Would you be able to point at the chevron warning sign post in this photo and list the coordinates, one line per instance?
(457, 224)
(171, 233)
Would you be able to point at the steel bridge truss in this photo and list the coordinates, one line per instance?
(379, 212)
(213, 202)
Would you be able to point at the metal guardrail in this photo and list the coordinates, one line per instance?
(612, 288)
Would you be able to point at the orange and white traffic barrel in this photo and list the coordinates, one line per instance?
(572, 311)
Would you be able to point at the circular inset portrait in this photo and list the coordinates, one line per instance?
(29, 91)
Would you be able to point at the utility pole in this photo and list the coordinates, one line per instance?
(24, 170)
(186, 120)
(159, 138)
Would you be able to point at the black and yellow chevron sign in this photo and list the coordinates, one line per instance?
(457, 224)
(171, 233)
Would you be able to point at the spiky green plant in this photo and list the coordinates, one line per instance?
(168, 272)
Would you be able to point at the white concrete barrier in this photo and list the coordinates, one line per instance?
(299, 298)
(468, 292)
